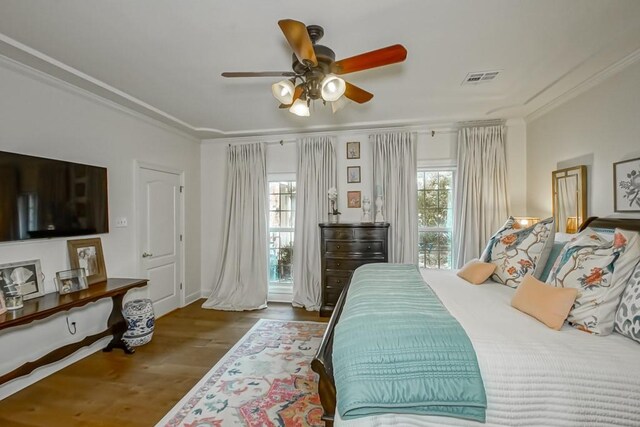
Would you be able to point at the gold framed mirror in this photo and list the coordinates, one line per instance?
(569, 198)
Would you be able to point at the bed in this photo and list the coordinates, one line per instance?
(532, 375)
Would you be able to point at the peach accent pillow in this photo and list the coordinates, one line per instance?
(548, 304)
(476, 271)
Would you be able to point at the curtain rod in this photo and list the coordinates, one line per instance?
(494, 122)
(280, 142)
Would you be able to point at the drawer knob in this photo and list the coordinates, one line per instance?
(338, 264)
(338, 246)
(338, 281)
(369, 247)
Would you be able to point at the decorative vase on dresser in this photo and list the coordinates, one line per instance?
(345, 247)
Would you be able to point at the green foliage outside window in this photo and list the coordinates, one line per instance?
(435, 218)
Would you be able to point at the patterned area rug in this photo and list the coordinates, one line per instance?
(264, 380)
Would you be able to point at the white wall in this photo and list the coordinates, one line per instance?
(438, 150)
(43, 117)
(597, 128)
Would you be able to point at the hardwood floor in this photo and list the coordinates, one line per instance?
(114, 389)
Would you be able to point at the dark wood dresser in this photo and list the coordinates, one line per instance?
(345, 247)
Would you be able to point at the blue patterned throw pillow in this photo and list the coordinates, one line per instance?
(628, 314)
(599, 269)
(518, 251)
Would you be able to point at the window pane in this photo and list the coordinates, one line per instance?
(431, 180)
(273, 187)
(281, 218)
(274, 202)
(446, 180)
(286, 202)
(435, 218)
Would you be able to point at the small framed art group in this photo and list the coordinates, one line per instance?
(354, 175)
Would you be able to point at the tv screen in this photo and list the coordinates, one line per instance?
(41, 198)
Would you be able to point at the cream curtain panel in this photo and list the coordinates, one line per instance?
(482, 203)
(316, 173)
(243, 280)
(395, 176)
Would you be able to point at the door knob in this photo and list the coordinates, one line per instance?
(146, 255)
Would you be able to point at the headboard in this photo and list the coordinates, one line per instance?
(624, 223)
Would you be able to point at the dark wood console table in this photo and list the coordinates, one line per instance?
(50, 304)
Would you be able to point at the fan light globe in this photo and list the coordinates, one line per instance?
(283, 91)
(332, 87)
(339, 104)
(300, 108)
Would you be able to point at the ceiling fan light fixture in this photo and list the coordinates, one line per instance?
(332, 87)
(300, 108)
(339, 104)
(283, 91)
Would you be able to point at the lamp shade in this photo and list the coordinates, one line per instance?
(283, 91)
(527, 221)
(332, 87)
(339, 104)
(300, 108)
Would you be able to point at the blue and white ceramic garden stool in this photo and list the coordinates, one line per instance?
(139, 316)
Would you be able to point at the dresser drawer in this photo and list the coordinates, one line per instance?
(370, 234)
(338, 233)
(336, 282)
(357, 247)
(348, 264)
(331, 295)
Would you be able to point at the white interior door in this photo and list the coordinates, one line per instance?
(159, 214)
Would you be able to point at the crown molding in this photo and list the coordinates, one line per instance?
(585, 85)
(23, 59)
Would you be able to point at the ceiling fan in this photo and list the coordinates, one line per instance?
(315, 70)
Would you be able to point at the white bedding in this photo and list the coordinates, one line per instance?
(533, 376)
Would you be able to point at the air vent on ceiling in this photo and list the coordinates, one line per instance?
(480, 77)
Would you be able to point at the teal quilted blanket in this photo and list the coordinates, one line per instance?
(397, 349)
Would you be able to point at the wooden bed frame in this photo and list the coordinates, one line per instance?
(322, 363)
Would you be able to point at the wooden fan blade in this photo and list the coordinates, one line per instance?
(298, 37)
(259, 74)
(297, 93)
(375, 58)
(356, 94)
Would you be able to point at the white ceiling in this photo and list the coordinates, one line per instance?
(164, 57)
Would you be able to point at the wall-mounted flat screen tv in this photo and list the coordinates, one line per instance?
(43, 198)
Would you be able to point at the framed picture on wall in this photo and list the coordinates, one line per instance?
(626, 186)
(353, 150)
(22, 278)
(353, 174)
(354, 199)
(87, 254)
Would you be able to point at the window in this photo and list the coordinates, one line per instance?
(435, 218)
(282, 205)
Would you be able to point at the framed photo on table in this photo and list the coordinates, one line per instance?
(71, 281)
(626, 186)
(22, 278)
(87, 254)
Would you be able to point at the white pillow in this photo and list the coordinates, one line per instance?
(599, 269)
(518, 251)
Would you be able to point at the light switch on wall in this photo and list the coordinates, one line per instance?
(121, 222)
